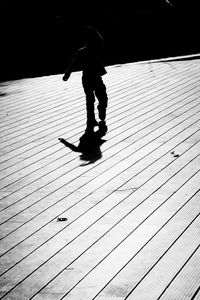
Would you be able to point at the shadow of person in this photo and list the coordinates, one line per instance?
(89, 145)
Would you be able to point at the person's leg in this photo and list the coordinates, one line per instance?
(100, 92)
(90, 100)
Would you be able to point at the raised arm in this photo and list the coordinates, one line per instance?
(69, 70)
(76, 61)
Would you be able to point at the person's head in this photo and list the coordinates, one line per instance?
(92, 37)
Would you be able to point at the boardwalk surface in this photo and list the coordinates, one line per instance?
(132, 227)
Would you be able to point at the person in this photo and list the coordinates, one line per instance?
(90, 59)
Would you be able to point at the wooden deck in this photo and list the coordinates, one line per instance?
(133, 213)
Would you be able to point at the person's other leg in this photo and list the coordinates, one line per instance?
(100, 92)
(90, 100)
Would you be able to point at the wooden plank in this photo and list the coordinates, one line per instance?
(31, 154)
(137, 167)
(185, 282)
(147, 120)
(117, 167)
(86, 220)
(88, 285)
(121, 211)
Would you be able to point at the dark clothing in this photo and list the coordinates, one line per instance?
(90, 61)
(94, 86)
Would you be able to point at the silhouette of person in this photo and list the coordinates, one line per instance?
(90, 59)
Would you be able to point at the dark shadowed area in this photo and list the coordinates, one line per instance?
(40, 37)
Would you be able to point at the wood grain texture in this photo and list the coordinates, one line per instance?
(132, 225)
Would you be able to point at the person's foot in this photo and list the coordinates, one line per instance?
(103, 127)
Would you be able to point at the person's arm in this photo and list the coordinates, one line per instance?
(75, 61)
(66, 76)
(69, 69)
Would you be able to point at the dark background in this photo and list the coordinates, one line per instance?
(39, 38)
